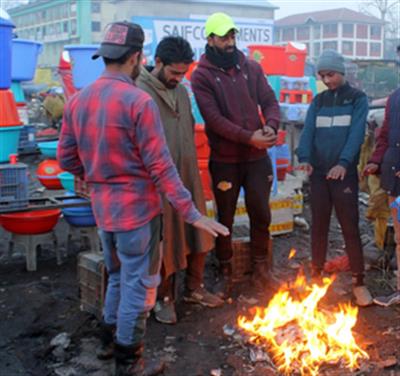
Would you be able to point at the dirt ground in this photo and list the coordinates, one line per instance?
(35, 307)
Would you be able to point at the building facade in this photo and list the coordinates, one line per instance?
(56, 23)
(353, 34)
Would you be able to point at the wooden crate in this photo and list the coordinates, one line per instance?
(92, 277)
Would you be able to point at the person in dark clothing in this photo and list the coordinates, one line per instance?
(328, 151)
(386, 161)
(230, 90)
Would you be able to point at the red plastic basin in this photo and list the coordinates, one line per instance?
(30, 223)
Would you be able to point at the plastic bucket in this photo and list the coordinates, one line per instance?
(205, 179)
(48, 148)
(9, 141)
(201, 142)
(6, 27)
(85, 70)
(24, 59)
(17, 91)
(67, 181)
(295, 59)
(282, 165)
(271, 58)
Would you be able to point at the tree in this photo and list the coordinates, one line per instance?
(389, 13)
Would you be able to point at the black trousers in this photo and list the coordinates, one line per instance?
(343, 196)
(256, 178)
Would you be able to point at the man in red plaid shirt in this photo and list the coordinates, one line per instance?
(112, 137)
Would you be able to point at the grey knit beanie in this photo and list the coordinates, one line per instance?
(330, 60)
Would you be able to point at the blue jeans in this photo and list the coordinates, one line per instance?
(133, 263)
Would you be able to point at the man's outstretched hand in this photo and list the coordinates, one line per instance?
(211, 226)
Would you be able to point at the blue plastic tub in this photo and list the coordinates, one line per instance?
(80, 216)
(6, 27)
(67, 181)
(48, 148)
(24, 59)
(9, 141)
(85, 70)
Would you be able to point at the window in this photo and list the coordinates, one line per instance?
(303, 33)
(96, 7)
(317, 31)
(361, 49)
(347, 48)
(330, 30)
(348, 30)
(73, 9)
(288, 34)
(362, 31)
(65, 27)
(96, 26)
(375, 49)
(375, 32)
(330, 45)
(73, 27)
(317, 49)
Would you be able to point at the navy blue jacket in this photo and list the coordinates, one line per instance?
(334, 130)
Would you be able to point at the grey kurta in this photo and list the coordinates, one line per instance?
(179, 238)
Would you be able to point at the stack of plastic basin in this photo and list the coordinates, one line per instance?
(85, 70)
(48, 148)
(80, 216)
(9, 120)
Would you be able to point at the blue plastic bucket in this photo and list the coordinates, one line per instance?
(6, 27)
(85, 70)
(9, 141)
(24, 58)
(80, 216)
(17, 91)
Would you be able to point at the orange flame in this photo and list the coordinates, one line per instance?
(292, 253)
(301, 337)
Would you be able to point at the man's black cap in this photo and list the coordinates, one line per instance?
(119, 38)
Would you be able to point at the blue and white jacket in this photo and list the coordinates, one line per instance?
(334, 130)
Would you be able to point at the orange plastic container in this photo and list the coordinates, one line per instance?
(8, 110)
(205, 179)
(295, 59)
(192, 68)
(201, 142)
(281, 137)
(271, 58)
(47, 172)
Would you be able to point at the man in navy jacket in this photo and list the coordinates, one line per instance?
(329, 151)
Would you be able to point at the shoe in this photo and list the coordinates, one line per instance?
(261, 276)
(164, 311)
(386, 301)
(106, 348)
(129, 362)
(203, 297)
(224, 286)
(362, 295)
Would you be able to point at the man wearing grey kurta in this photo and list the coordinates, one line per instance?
(184, 247)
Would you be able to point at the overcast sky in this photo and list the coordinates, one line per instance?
(289, 7)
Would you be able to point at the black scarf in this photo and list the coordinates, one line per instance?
(224, 60)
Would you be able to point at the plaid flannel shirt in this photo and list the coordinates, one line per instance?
(112, 136)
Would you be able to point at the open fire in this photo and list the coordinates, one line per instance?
(299, 335)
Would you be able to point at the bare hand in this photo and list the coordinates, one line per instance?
(306, 167)
(370, 169)
(212, 227)
(261, 140)
(337, 172)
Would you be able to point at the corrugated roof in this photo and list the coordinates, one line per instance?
(324, 16)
